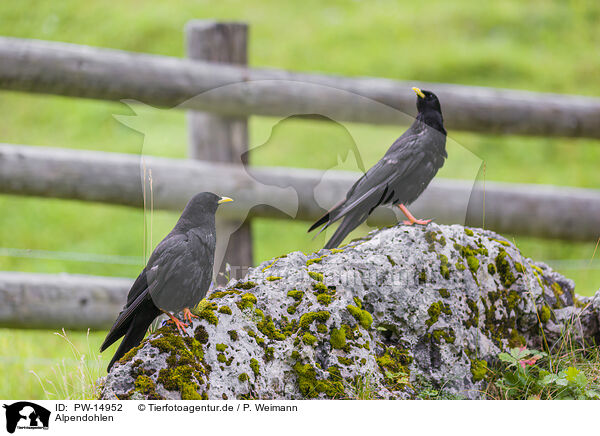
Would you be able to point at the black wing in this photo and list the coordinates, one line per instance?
(377, 185)
(133, 321)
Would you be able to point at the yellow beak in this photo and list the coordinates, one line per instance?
(419, 92)
(224, 200)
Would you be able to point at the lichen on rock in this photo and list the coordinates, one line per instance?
(404, 308)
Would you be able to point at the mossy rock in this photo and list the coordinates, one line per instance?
(394, 315)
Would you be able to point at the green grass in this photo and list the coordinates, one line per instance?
(537, 45)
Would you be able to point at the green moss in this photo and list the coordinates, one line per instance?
(311, 387)
(188, 392)
(220, 294)
(309, 262)
(225, 309)
(267, 327)
(446, 334)
(469, 232)
(180, 378)
(247, 301)
(221, 347)
(144, 385)
(435, 310)
(321, 328)
(243, 377)
(503, 267)
(129, 355)
(491, 269)
(308, 318)
(269, 354)
(245, 285)
(201, 334)
(320, 287)
(273, 278)
(479, 369)
(336, 250)
(363, 317)
(473, 321)
(505, 243)
(324, 299)
(346, 361)
(467, 250)
(537, 268)
(431, 238)
(545, 314)
(309, 339)
(422, 277)
(557, 290)
(316, 276)
(221, 358)
(306, 377)
(233, 335)
(519, 267)
(296, 294)
(168, 343)
(444, 270)
(394, 364)
(208, 313)
(338, 338)
(254, 366)
(473, 263)
(460, 266)
(444, 293)
(512, 299)
(270, 265)
(515, 339)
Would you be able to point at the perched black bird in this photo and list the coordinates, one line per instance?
(176, 278)
(399, 177)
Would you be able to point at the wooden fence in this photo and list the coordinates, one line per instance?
(220, 91)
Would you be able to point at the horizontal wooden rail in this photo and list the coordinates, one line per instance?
(55, 301)
(534, 210)
(89, 72)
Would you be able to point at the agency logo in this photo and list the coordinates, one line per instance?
(26, 415)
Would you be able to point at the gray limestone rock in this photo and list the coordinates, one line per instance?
(401, 311)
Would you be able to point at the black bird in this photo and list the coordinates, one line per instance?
(176, 278)
(399, 177)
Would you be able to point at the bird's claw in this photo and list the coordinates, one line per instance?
(421, 222)
(179, 324)
(188, 315)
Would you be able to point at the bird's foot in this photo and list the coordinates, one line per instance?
(411, 219)
(416, 221)
(179, 324)
(188, 315)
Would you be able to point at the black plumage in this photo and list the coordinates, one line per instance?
(176, 278)
(399, 177)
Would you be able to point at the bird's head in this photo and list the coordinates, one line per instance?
(427, 101)
(205, 202)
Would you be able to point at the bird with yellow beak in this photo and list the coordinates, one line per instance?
(176, 277)
(400, 176)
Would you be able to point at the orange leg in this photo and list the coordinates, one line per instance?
(411, 219)
(188, 315)
(180, 325)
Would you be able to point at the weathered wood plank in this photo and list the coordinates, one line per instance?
(534, 210)
(219, 138)
(82, 71)
(56, 301)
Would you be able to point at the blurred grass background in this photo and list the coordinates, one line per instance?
(542, 45)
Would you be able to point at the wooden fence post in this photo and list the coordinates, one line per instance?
(217, 138)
